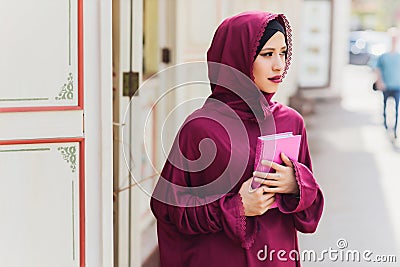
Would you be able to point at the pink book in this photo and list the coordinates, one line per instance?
(270, 147)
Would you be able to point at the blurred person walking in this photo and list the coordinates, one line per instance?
(388, 77)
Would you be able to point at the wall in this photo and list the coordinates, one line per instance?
(339, 52)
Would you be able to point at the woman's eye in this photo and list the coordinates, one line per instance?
(283, 53)
(268, 54)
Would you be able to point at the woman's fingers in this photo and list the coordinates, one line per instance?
(286, 160)
(282, 181)
(268, 202)
(260, 174)
(272, 164)
(274, 190)
(255, 202)
(266, 175)
(267, 182)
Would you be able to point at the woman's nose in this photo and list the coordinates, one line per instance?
(279, 64)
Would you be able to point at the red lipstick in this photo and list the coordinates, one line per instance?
(276, 79)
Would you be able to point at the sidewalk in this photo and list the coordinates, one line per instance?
(358, 167)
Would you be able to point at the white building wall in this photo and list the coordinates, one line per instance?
(340, 53)
(339, 50)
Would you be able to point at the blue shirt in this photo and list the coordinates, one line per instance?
(389, 66)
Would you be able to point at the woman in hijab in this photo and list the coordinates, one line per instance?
(206, 213)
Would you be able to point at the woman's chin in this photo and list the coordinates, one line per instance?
(269, 90)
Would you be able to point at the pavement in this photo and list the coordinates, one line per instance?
(357, 164)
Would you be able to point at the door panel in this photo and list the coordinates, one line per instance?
(42, 196)
(39, 52)
(42, 134)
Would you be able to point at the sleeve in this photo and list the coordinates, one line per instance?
(176, 202)
(225, 214)
(308, 206)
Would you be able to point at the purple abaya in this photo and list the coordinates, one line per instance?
(200, 225)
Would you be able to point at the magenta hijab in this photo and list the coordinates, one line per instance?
(235, 44)
(207, 144)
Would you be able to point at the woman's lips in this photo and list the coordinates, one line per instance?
(276, 79)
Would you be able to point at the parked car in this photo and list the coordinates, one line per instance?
(366, 46)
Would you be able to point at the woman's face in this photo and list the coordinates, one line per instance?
(270, 63)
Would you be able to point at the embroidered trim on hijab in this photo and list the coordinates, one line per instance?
(272, 27)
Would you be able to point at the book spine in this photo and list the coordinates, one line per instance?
(259, 152)
(257, 162)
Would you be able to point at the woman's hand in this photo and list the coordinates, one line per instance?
(255, 202)
(283, 181)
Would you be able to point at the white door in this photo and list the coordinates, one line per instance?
(42, 182)
(139, 36)
(127, 64)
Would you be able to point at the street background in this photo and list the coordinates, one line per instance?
(357, 164)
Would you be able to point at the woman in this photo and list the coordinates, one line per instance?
(206, 214)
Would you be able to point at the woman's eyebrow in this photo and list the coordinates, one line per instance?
(273, 49)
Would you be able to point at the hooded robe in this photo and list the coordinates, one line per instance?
(199, 212)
